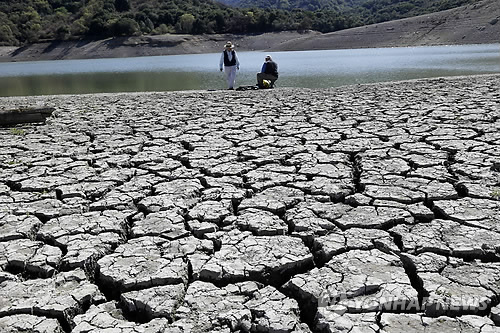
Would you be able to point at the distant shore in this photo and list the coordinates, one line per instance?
(472, 24)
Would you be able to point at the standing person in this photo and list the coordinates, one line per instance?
(229, 59)
(269, 72)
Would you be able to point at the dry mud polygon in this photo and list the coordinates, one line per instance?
(368, 208)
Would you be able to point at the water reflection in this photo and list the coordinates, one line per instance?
(99, 82)
(309, 69)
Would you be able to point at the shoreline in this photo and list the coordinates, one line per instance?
(35, 100)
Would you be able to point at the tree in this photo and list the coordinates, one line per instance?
(98, 26)
(185, 24)
(6, 36)
(163, 29)
(122, 5)
(305, 24)
(125, 27)
(25, 21)
(220, 22)
(63, 32)
(30, 24)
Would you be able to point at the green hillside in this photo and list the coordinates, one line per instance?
(375, 11)
(401, 6)
(29, 21)
(368, 11)
(312, 5)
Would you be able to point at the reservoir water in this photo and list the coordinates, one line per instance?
(308, 69)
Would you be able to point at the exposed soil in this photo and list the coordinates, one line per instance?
(364, 208)
(472, 24)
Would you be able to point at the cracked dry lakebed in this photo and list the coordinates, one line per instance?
(366, 208)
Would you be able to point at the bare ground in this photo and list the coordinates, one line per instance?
(472, 24)
(365, 208)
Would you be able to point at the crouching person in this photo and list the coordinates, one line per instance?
(269, 72)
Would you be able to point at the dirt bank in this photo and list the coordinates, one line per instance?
(471, 24)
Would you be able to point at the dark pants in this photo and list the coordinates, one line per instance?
(264, 76)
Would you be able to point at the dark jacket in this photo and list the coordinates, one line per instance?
(271, 68)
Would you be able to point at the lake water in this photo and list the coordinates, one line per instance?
(309, 69)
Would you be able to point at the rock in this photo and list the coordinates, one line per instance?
(25, 115)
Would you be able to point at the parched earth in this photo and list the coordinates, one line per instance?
(368, 208)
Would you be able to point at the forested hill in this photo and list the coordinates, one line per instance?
(413, 7)
(28, 21)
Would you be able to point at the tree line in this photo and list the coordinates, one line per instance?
(30, 21)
